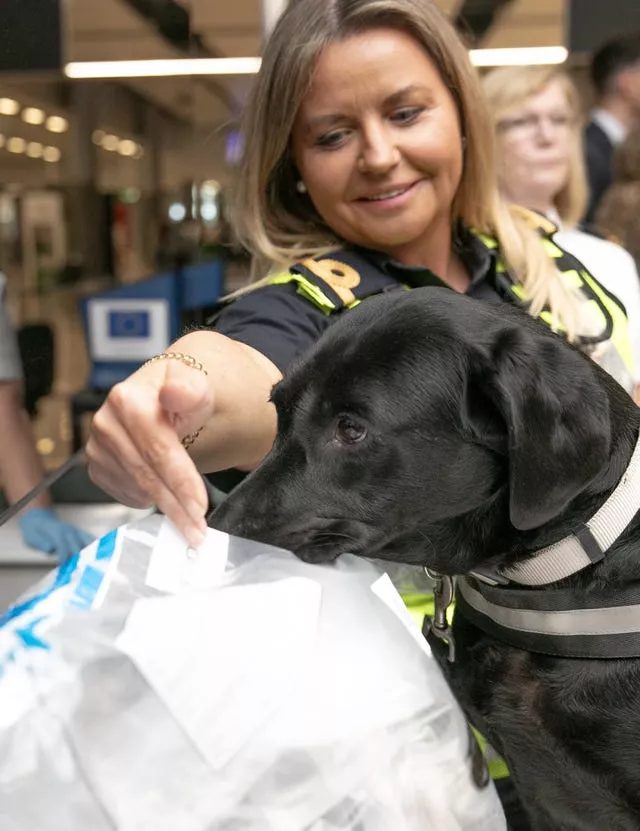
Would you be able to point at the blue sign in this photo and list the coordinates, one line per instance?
(131, 324)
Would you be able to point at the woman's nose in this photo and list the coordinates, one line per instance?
(379, 152)
(546, 130)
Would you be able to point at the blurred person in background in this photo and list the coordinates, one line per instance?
(20, 465)
(619, 211)
(615, 74)
(540, 166)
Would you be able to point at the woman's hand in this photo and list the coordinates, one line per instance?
(135, 451)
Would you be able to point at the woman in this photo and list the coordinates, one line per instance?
(536, 117)
(365, 132)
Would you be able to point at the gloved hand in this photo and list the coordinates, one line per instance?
(43, 530)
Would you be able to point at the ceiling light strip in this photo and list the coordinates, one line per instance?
(162, 68)
(184, 67)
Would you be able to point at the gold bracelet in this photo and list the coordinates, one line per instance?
(187, 360)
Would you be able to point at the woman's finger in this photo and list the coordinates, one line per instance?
(119, 466)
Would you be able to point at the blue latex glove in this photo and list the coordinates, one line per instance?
(43, 530)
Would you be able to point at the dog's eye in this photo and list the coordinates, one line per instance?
(349, 431)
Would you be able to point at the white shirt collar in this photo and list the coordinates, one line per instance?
(614, 129)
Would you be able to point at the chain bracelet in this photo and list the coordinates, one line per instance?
(187, 360)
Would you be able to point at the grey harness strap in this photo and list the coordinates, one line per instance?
(573, 553)
(515, 608)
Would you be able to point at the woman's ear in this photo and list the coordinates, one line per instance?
(553, 416)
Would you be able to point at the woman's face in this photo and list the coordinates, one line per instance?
(535, 143)
(377, 143)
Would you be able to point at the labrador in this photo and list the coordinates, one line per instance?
(429, 428)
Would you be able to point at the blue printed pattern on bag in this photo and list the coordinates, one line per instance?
(75, 585)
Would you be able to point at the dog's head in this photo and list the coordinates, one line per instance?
(422, 420)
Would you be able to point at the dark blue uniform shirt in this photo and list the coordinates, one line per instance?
(282, 324)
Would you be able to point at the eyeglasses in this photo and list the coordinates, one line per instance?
(528, 125)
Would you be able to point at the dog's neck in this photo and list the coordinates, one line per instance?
(485, 537)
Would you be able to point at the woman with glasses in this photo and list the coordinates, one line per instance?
(535, 113)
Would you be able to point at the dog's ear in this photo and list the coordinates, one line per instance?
(547, 407)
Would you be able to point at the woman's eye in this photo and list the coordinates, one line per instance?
(349, 431)
(406, 115)
(330, 141)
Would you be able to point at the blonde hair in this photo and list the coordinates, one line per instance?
(280, 226)
(508, 88)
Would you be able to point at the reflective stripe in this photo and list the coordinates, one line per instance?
(615, 620)
(306, 288)
(620, 335)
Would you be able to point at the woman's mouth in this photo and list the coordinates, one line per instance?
(391, 197)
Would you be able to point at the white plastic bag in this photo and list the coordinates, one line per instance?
(147, 687)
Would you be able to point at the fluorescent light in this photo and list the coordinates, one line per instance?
(51, 154)
(16, 145)
(57, 124)
(525, 56)
(33, 115)
(162, 68)
(249, 66)
(9, 107)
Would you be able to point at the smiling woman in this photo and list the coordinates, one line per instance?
(368, 167)
(381, 158)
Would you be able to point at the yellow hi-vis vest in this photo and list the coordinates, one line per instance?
(608, 343)
(335, 283)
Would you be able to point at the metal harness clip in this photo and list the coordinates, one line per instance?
(443, 597)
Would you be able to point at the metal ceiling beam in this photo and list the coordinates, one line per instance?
(476, 17)
(173, 23)
(169, 18)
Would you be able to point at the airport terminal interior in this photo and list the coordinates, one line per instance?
(121, 145)
(107, 182)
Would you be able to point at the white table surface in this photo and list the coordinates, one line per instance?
(97, 519)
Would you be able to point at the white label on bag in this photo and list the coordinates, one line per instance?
(224, 662)
(174, 565)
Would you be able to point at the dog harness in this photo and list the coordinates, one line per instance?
(519, 605)
(333, 283)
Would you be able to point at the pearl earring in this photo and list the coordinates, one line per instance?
(301, 187)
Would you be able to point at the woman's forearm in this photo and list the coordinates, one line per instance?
(243, 426)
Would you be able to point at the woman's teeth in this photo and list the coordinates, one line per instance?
(388, 195)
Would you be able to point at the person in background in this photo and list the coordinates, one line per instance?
(20, 465)
(536, 117)
(619, 211)
(615, 74)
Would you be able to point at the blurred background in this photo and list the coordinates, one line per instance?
(113, 228)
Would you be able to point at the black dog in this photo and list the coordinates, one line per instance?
(432, 429)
